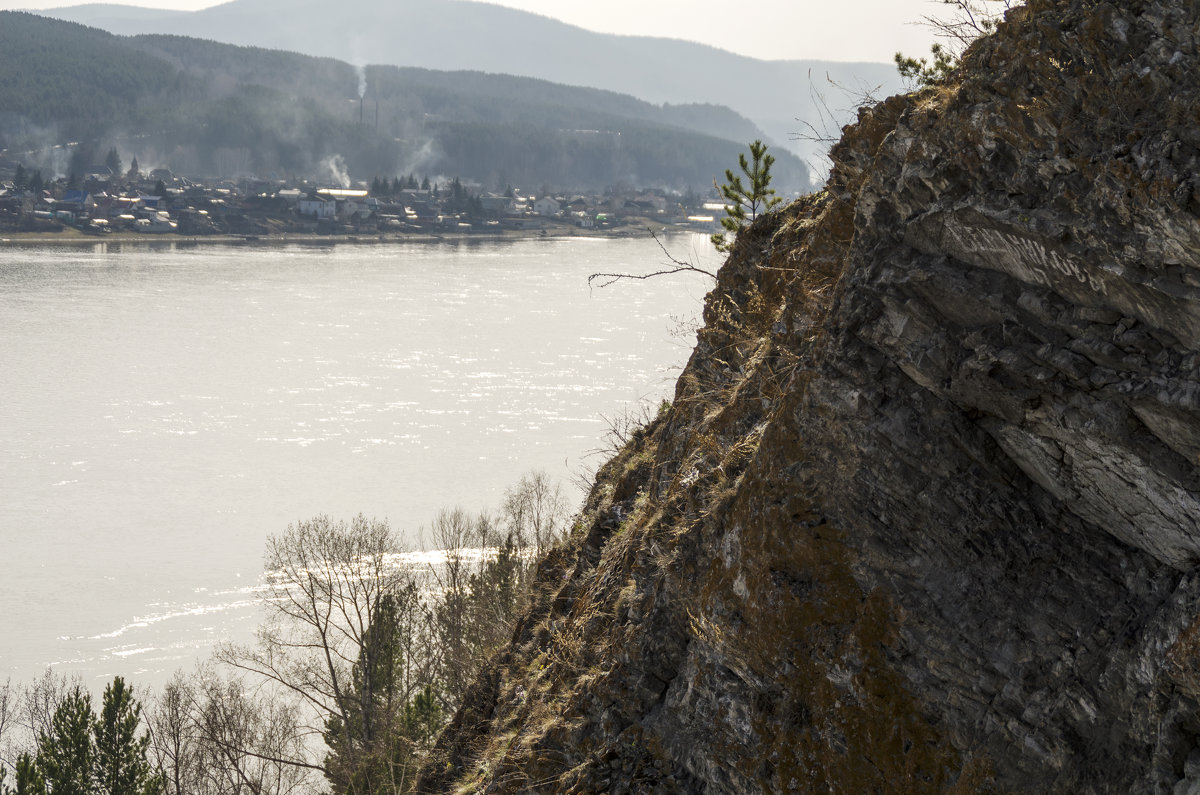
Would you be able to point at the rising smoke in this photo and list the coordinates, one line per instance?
(335, 168)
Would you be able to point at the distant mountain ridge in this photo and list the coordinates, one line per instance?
(204, 108)
(778, 96)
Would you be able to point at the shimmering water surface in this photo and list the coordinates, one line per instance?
(164, 409)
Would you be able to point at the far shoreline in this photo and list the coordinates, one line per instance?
(73, 237)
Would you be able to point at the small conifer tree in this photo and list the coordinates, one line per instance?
(85, 755)
(121, 766)
(113, 161)
(967, 21)
(66, 755)
(746, 201)
(29, 780)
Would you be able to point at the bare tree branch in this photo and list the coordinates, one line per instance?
(605, 279)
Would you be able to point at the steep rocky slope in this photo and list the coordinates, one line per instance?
(923, 515)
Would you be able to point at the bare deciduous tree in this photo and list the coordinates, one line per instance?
(252, 740)
(535, 511)
(457, 538)
(211, 735)
(483, 576)
(38, 702)
(175, 743)
(326, 581)
(8, 716)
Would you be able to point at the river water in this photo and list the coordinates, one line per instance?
(164, 408)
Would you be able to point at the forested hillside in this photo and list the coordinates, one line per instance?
(778, 96)
(211, 109)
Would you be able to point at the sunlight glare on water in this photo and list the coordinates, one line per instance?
(166, 408)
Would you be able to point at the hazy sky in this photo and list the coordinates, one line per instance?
(843, 30)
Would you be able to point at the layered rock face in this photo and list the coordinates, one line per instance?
(924, 514)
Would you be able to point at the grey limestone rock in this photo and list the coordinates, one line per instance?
(925, 512)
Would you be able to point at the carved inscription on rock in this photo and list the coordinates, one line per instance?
(1088, 279)
(1030, 259)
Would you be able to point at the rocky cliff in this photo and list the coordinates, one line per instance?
(924, 514)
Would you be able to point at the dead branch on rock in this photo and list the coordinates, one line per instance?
(605, 279)
(826, 129)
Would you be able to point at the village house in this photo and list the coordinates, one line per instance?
(547, 206)
(651, 202)
(319, 206)
(496, 205)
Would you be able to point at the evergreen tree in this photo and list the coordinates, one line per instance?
(120, 755)
(475, 208)
(968, 20)
(374, 749)
(20, 178)
(66, 756)
(113, 162)
(423, 717)
(493, 597)
(425, 184)
(924, 73)
(29, 780)
(746, 202)
(459, 200)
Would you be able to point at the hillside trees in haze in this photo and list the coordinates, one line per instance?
(485, 37)
(64, 77)
(208, 109)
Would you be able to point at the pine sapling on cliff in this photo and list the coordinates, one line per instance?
(969, 20)
(746, 202)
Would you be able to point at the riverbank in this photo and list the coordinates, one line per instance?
(69, 236)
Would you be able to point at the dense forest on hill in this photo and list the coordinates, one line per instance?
(458, 35)
(209, 109)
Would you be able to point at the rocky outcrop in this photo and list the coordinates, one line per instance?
(923, 515)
